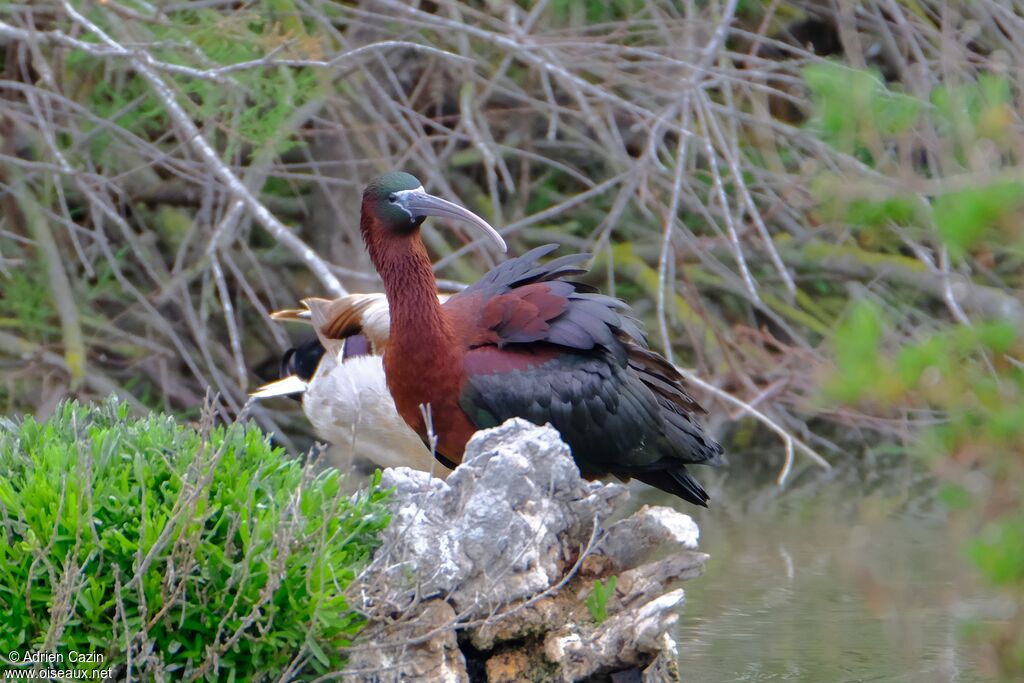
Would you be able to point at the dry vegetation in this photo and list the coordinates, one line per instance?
(166, 168)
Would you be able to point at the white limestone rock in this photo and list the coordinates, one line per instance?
(503, 525)
(496, 551)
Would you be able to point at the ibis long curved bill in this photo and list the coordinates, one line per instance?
(419, 204)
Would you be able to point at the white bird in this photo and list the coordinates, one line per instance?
(346, 398)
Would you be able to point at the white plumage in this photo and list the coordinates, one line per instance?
(347, 399)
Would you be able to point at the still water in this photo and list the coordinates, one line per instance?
(844, 577)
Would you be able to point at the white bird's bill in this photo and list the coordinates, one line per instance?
(282, 387)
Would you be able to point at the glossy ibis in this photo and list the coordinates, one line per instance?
(339, 375)
(524, 341)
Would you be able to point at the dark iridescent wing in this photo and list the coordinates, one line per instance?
(585, 396)
(612, 420)
(555, 351)
(522, 301)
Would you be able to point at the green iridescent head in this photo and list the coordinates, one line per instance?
(383, 197)
(396, 204)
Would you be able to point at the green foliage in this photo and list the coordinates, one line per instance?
(857, 113)
(999, 551)
(597, 601)
(25, 304)
(252, 104)
(867, 213)
(968, 377)
(973, 110)
(964, 218)
(854, 108)
(857, 352)
(955, 497)
(176, 542)
(945, 369)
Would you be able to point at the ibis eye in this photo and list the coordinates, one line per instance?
(392, 197)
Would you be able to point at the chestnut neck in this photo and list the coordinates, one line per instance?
(418, 323)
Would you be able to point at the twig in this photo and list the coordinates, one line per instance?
(748, 200)
(217, 74)
(666, 240)
(723, 200)
(229, 318)
(788, 440)
(60, 286)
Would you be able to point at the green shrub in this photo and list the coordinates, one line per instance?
(175, 552)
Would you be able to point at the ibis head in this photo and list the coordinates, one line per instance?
(395, 206)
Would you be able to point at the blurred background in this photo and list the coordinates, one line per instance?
(815, 207)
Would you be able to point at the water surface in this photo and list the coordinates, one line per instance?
(847, 577)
